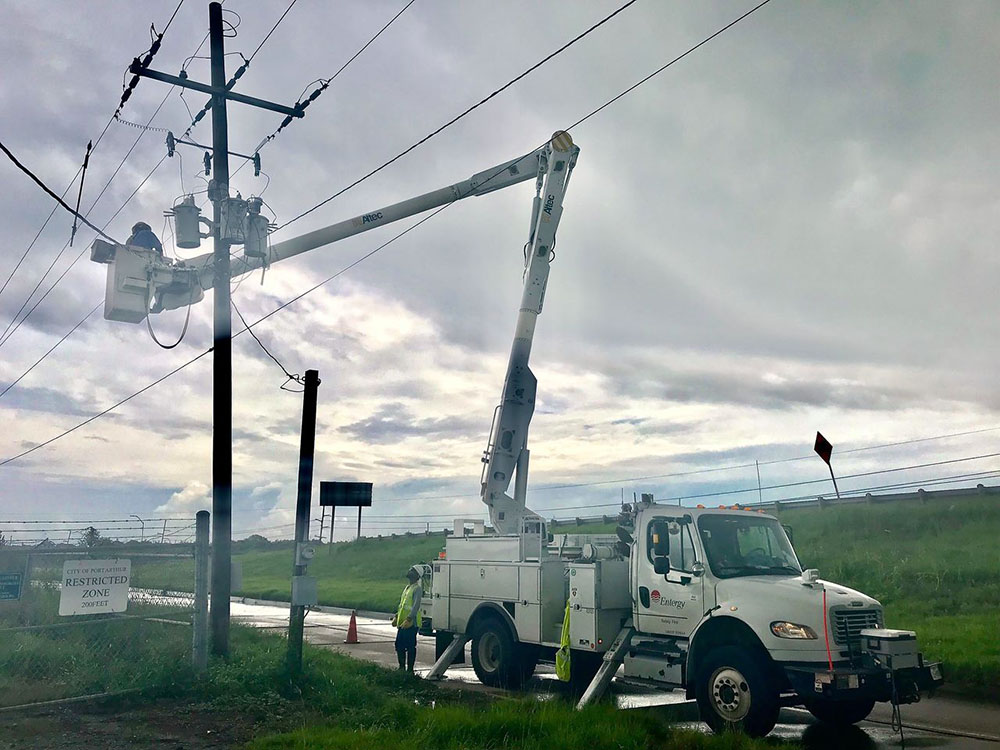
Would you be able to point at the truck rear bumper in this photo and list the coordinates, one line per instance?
(863, 683)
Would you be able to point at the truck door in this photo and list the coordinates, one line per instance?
(668, 603)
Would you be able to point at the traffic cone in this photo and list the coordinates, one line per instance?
(352, 628)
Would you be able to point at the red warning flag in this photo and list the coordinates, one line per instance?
(823, 448)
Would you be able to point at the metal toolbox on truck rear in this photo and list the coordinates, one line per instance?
(599, 602)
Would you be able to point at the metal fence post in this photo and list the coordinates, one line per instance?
(199, 622)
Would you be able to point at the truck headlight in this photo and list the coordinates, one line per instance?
(792, 630)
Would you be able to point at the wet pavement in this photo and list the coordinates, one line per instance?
(933, 723)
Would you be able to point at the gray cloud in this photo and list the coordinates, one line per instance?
(394, 422)
(809, 195)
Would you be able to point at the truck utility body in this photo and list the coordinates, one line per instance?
(710, 601)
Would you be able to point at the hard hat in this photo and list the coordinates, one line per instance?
(413, 571)
(140, 225)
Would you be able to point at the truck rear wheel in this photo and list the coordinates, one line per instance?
(735, 691)
(496, 657)
(840, 713)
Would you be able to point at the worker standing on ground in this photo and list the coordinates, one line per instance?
(408, 620)
(142, 236)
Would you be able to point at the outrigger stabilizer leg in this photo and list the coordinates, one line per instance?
(613, 659)
(446, 658)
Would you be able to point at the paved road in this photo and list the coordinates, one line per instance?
(936, 723)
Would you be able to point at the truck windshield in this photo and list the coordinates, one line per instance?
(747, 546)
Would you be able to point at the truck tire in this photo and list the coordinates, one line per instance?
(496, 657)
(735, 691)
(840, 713)
(528, 660)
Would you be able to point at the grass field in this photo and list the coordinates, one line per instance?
(64, 658)
(338, 702)
(935, 567)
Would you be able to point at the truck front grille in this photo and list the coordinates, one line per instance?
(848, 623)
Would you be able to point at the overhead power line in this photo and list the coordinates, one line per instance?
(100, 414)
(393, 239)
(38, 361)
(97, 142)
(458, 117)
(58, 199)
(325, 83)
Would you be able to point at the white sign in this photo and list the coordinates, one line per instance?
(93, 586)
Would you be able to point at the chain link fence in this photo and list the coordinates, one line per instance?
(140, 636)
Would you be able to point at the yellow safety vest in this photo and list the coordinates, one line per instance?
(563, 654)
(405, 605)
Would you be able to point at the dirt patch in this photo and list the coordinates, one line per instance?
(163, 725)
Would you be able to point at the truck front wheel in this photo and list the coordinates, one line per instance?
(840, 713)
(735, 690)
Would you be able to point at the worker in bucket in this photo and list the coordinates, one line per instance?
(408, 620)
(142, 236)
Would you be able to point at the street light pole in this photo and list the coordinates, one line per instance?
(142, 526)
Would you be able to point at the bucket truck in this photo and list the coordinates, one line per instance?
(713, 602)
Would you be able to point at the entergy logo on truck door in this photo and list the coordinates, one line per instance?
(663, 601)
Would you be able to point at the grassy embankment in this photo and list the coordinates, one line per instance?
(935, 567)
(338, 703)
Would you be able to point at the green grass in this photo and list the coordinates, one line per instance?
(343, 703)
(521, 724)
(935, 567)
(87, 655)
(338, 702)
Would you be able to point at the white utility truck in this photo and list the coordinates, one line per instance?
(713, 602)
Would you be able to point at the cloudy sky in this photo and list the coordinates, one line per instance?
(794, 228)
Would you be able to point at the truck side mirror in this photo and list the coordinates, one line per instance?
(661, 565)
(697, 569)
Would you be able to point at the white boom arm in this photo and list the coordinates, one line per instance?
(141, 282)
(498, 177)
(507, 448)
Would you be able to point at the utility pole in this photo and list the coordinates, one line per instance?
(222, 354)
(303, 503)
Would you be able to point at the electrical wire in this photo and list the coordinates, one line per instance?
(97, 142)
(66, 335)
(51, 192)
(413, 226)
(276, 24)
(41, 299)
(458, 117)
(289, 376)
(324, 84)
(100, 414)
(5, 336)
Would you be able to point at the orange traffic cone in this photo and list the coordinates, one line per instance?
(352, 628)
